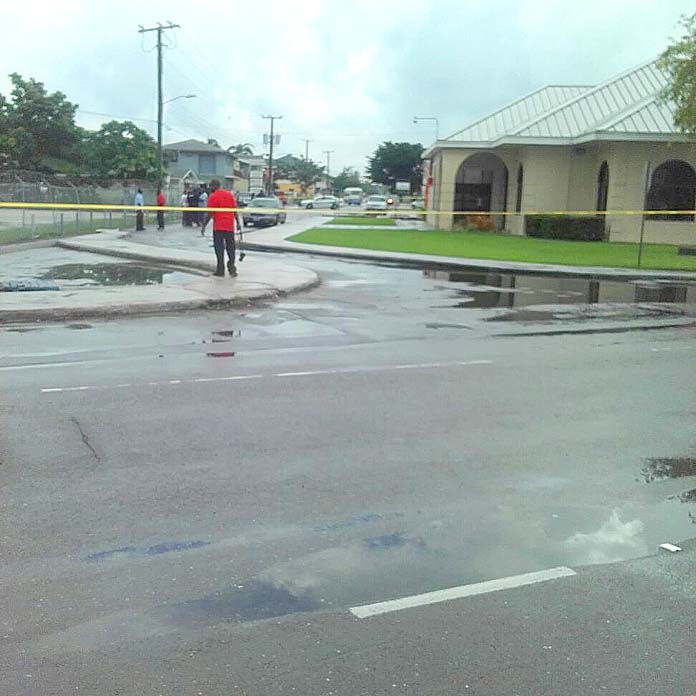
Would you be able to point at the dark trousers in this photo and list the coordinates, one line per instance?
(139, 221)
(222, 241)
(160, 219)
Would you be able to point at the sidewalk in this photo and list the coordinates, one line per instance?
(275, 239)
(259, 278)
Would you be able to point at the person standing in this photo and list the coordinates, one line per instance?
(161, 202)
(183, 202)
(223, 227)
(202, 203)
(139, 215)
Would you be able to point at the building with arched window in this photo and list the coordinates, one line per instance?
(571, 148)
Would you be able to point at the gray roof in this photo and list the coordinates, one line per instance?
(625, 106)
(194, 146)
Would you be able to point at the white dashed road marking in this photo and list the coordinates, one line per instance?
(367, 610)
(234, 378)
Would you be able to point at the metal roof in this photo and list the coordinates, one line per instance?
(628, 103)
(523, 110)
(195, 146)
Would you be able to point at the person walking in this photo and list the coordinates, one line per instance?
(161, 202)
(139, 215)
(223, 227)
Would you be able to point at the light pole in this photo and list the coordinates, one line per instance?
(306, 142)
(272, 119)
(160, 124)
(328, 167)
(416, 119)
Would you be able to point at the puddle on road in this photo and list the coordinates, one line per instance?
(662, 468)
(113, 274)
(508, 290)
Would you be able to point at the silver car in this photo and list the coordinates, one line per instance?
(325, 202)
(376, 203)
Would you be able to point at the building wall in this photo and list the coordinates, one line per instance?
(627, 190)
(566, 178)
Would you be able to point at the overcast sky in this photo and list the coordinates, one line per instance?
(347, 75)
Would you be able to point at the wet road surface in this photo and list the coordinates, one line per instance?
(175, 485)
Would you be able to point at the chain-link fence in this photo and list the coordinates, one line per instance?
(35, 187)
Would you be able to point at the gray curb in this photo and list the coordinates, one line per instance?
(413, 261)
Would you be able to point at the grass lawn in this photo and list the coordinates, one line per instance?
(362, 220)
(486, 245)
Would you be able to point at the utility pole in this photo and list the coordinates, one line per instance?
(272, 119)
(306, 148)
(160, 28)
(328, 166)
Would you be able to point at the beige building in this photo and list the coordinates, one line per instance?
(571, 148)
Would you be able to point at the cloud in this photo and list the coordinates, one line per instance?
(347, 77)
(613, 541)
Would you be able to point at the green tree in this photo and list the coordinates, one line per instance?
(121, 149)
(392, 162)
(678, 62)
(241, 149)
(37, 129)
(297, 169)
(347, 177)
(306, 173)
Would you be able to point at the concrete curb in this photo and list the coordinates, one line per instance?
(484, 265)
(200, 293)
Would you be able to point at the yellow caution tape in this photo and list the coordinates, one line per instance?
(335, 213)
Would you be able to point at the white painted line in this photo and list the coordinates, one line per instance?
(305, 373)
(671, 548)
(367, 610)
(44, 366)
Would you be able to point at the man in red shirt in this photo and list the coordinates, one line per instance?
(223, 227)
(161, 201)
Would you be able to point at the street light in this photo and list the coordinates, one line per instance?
(181, 96)
(160, 115)
(429, 118)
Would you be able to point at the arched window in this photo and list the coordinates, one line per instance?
(672, 187)
(603, 187)
(520, 179)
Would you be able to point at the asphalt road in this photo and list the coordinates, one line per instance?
(193, 504)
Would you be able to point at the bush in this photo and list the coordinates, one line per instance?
(583, 229)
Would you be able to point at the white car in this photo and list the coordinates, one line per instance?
(330, 202)
(376, 203)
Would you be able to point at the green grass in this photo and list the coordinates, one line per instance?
(362, 220)
(500, 247)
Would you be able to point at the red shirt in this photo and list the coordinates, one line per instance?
(160, 199)
(222, 221)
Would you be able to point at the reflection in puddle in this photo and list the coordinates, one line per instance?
(487, 290)
(613, 541)
(661, 468)
(111, 274)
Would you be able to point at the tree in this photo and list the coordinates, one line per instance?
(678, 62)
(392, 162)
(241, 149)
(38, 129)
(306, 173)
(120, 149)
(347, 177)
(301, 171)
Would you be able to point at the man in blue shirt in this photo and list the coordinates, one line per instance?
(139, 216)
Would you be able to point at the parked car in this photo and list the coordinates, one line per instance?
(243, 199)
(376, 203)
(260, 218)
(418, 204)
(330, 202)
